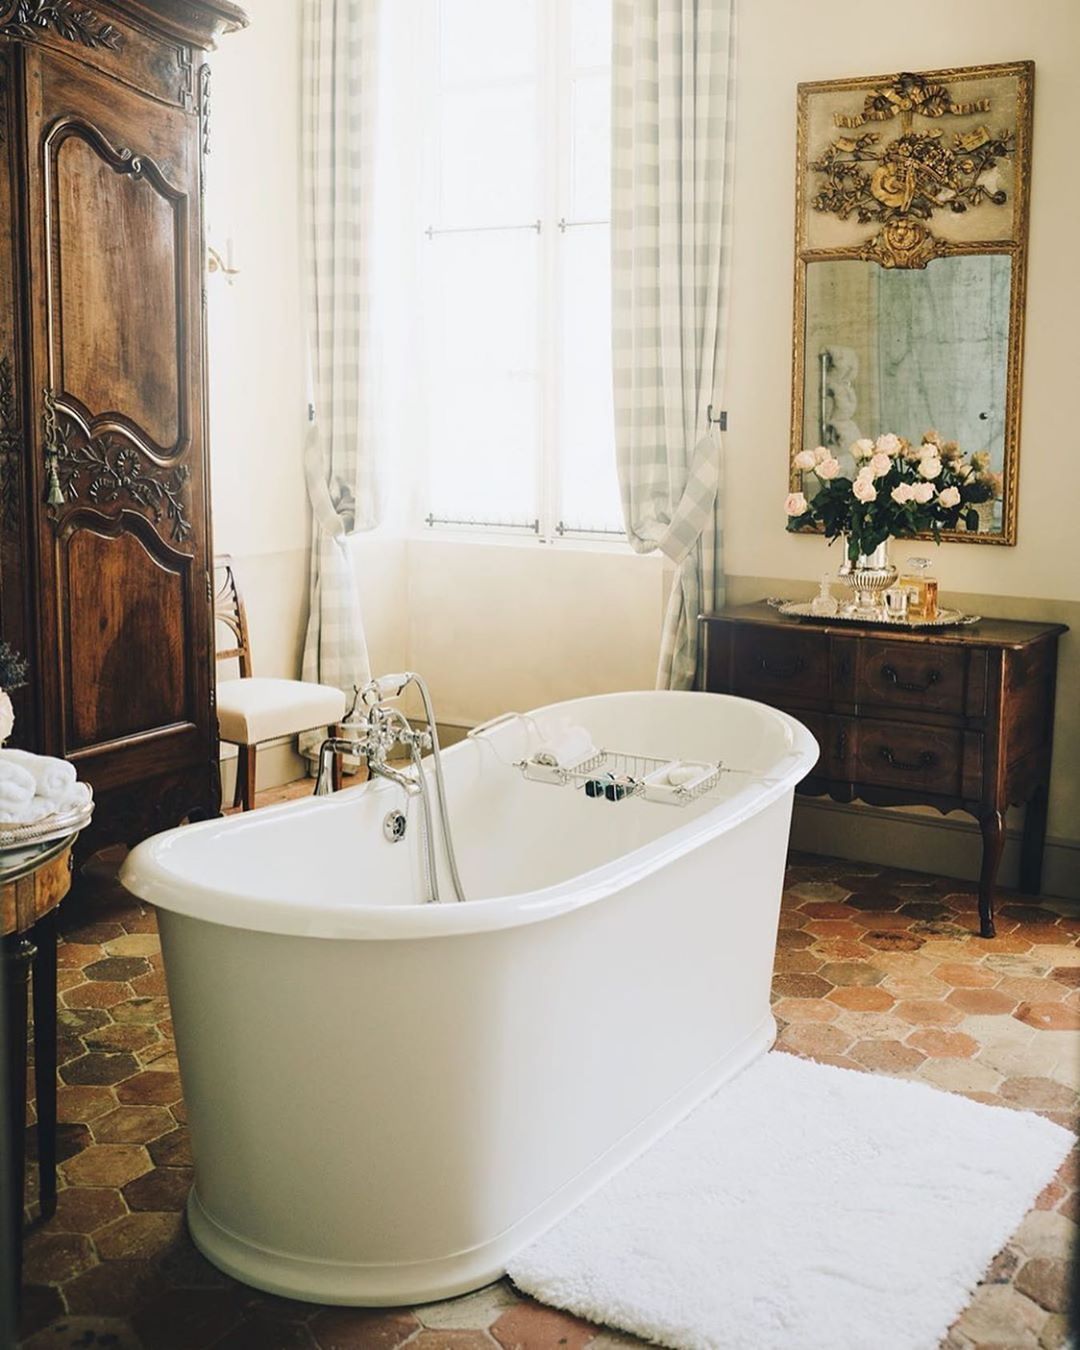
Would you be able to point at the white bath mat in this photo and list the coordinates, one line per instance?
(802, 1207)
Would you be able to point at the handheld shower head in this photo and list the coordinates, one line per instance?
(384, 687)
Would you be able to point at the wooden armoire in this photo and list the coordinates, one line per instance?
(105, 560)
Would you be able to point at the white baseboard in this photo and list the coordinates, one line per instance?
(277, 764)
(922, 843)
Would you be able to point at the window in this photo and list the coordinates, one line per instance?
(515, 297)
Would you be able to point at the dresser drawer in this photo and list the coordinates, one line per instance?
(780, 666)
(937, 760)
(910, 675)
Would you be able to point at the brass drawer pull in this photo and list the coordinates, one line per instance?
(909, 686)
(794, 665)
(926, 759)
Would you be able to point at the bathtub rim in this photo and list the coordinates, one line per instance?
(145, 872)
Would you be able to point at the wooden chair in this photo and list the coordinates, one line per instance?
(254, 709)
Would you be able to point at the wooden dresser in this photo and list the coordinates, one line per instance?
(955, 718)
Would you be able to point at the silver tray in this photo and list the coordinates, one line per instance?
(945, 618)
(57, 826)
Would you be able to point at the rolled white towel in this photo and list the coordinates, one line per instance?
(51, 776)
(566, 748)
(24, 813)
(16, 785)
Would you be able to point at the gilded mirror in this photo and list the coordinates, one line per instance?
(911, 240)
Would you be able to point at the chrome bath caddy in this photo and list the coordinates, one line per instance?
(615, 775)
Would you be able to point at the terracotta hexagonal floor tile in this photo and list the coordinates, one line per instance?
(834, 928)
(840, 949)
(470, 1312)
(1046, 1282)
(981, 1001)
(96, 994)
(806, 1010)
(258, 1332)
(132, 1125)
(1038, 1094)
(866, 899)
(850, 972)
(938, 1044)
(1068, 975)
(116, 968)
(151, 1010)
(884, 1056)
(529, 1325)
(84, 1209)
(83, 1103)
(961, 1075)
(150, 1087)
(76, 955)
(1049, 1016)
(928, 1012)
(172, 1149)
(799, 962)
(100, 1068)
(165, 1188)
(825, 909)
(793, 939)
(816, 892)
(153, 982)
(875, 922)
(54, 1258)
(812, 1039)
(862, 998)
(891, 942)
(963, 975)
(106, 1165)
(142, 1236)
(132, 1037)
(134, 944)
(363, 1328)
(800, 986)
(1032, 989)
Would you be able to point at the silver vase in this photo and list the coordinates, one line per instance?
(867, 577)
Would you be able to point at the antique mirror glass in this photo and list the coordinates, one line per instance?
(911, 239)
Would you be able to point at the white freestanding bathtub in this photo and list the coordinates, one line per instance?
(387, 1099)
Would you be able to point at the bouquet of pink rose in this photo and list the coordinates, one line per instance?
(899, 490)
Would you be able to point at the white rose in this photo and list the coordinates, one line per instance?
(930, 467)
(864, 490)
(950, 497)
(922, 492)
(881, 464)
(828, 468)
(820, 453)
(903, 492)
(795, 504)
(862, 449)
(928, 449)
(7, 716)
(889, 444)
(865, 474)
(805, 459)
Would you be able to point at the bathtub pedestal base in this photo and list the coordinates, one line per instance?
(294, 1276)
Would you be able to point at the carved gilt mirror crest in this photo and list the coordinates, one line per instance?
(911, 241)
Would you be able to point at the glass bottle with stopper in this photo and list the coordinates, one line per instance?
(824, 603)
(922, 589)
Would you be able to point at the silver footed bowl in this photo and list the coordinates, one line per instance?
(867, 584)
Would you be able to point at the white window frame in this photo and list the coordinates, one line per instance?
(555, 73)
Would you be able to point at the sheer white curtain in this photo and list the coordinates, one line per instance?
(340, 98)
(672, 139)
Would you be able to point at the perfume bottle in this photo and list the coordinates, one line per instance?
(824, 604)
(922, 588)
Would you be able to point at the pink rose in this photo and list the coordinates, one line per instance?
(864, 490)
(930, 467)
(903, 492)
(950, 497)
(881, 464)
(862, 449)
(805, 459)
(922, 492)
(828, 468)
(889, 444)
(795, 504)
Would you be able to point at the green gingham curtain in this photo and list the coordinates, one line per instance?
(339, 104)
(672, 134)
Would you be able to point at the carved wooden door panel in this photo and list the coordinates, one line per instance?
(118, 448)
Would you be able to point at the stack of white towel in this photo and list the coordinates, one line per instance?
(35, 786)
